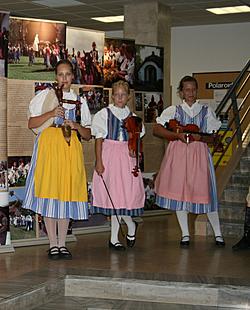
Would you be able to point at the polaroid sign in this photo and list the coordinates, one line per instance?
(218, 85)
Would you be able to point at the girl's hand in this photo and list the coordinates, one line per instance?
(182, 137)
(132, 153)
(58, 112)
(73, 125)
(99, 168)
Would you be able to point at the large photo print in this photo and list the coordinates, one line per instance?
(85, 49)
(35, 46)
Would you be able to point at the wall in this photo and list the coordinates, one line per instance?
(210, 48)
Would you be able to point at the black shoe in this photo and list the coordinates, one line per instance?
(219, 243)
(243, 244)
(131, 242)
(53, 253)
(117, 246)
(186, 242)
(65, 253)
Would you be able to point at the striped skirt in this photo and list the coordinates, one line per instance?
(56, 185)
(198, 185)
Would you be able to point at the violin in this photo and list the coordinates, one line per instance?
(66, 129)
(133, 125)
(189, 129)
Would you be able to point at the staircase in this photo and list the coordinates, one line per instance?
(233, 201)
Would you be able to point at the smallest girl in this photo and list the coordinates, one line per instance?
(114, 163)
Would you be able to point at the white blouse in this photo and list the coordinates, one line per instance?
(212, 122)
(99, 124)
(36, 104)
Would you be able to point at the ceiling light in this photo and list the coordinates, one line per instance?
(230, 10)
(109, 19)
(58, 3)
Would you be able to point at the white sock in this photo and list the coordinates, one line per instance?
(114, 229)
(50, 224)
(131, 226)
(63, 225)
(213, 218)
(183, 222)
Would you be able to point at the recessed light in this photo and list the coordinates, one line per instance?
(110, 19)
(230, 10)
(58, 3)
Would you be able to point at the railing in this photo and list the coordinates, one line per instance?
(235, 108)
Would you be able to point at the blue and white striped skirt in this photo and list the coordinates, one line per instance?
(54, 208)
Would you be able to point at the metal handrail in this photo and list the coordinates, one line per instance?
(231, 94)
(231, 90)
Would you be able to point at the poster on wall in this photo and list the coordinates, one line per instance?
(148, 182)
(119, 61)
(94, 97)
(153, 106)
(4, 226)
(35, 46)
(85, 50)
(22, 221)
(149, 68)
(4, 38)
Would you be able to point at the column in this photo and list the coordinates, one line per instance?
(148, 23)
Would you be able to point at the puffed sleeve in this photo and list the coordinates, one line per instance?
(85, 114)
(166, 115)
(99, 124)
(213, 124)
(36, 104)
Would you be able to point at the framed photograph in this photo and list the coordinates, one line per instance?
(4, 225)
(94, 97)
(118, 61)
(153, 106)
(3, 176)
(35, 46)
(138, 101)
(4, 41)
(148, 181)
(149, 68)
(85, 51)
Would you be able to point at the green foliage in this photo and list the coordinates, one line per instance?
(37, 71)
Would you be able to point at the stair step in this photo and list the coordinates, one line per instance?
(237, 186)
(231, 210)
(229, 228)
(235, 195)
(241, 178)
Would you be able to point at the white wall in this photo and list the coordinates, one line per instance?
(210, 48)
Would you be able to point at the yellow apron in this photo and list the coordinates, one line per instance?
(60, 172)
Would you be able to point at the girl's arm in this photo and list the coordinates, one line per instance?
(162, 132)
(99, 167)
(37, 121)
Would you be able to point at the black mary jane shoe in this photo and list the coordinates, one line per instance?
(53, 253)
(65, 253)
(183, 242)
(131, 242)
(220, 243)
(117, 246)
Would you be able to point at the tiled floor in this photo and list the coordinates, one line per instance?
(156, 256)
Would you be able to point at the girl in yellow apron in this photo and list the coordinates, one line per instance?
(56, 184)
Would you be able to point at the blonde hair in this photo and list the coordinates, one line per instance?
(120, 84)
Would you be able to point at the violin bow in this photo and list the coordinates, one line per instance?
(120, 225)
